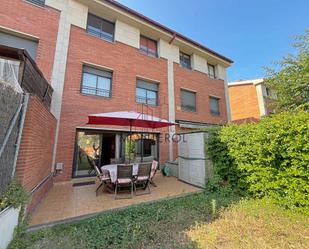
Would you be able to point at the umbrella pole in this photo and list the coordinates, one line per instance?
(130, 141)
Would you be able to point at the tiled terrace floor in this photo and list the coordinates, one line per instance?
(65, 201)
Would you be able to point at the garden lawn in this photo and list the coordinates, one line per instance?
(187, 222)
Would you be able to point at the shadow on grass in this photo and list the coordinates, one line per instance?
(158, 225)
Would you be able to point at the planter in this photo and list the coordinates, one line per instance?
(173, 168)
(8, 222)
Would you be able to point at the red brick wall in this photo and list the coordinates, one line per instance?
(127, 63)
(35, 154)
(204, 87)
(37, 21)
(244, 102)
(39, 194)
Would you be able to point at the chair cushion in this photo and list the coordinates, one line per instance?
(124, 180)
(142, 178)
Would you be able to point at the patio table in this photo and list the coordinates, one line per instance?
(112, 168)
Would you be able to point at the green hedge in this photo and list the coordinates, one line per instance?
(270, 158)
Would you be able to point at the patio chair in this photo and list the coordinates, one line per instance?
(154, 168)
(124, 179)
(143, 178)
(91, 164)
(104, 179)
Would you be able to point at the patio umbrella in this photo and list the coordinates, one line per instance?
(128, 118)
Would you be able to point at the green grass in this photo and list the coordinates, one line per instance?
(158, 225)
(188, 222)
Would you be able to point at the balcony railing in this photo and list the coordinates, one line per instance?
(148, 101)
(96, 91)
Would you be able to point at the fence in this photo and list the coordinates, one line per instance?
(11, 111)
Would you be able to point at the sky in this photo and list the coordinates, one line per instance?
(253, 33)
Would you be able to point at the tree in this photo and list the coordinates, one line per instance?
(291, 82)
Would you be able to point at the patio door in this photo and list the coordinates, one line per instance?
(89, 146)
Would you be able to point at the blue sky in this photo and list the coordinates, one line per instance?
(253, 33)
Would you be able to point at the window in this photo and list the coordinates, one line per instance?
(146, 93)
(96, 82)
(188, 100)
(19, 42)
(101, 28)
(211, 71)
(268, 93)
(214, 106)
(148, 46)
(37, 2)
(185, 60)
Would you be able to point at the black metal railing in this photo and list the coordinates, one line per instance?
(148, 101)
(96, 91)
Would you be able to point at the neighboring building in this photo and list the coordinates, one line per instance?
(248, 100)
(100, 56)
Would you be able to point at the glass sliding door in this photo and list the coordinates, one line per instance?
(140, 147)
(88, 148)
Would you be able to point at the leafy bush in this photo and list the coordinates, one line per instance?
(270, 158)
(225, 171)
(14, 195)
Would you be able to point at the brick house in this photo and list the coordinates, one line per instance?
(100, 56)
(249, 100)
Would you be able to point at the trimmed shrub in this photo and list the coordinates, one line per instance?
(271, 158)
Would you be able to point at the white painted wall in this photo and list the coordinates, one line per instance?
(127, 34)
(168, 51)
(260, 97)
(8, 222)
(199, 63)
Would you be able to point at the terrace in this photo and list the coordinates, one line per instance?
(67, 202)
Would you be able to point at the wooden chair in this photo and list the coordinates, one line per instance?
(143, 178)
(124, 179)
(104, 179)
(154, 168)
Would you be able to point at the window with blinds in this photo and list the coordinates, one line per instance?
(146, 92)
(185, 60)
(100, 27)
(96, 82)
(148, 46)
(214, 106)
(188, 100)
(211, 71)
(37, 2)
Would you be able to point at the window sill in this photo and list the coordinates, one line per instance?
(102, 39)
(190, 111)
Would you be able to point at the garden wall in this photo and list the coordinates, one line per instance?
(34, 163)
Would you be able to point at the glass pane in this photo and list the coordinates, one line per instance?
(107, 30)
(94, 25)
(141, 95)
(89, 83)
(103, 86)
(214, 106)
(89, 80)
(151, 97)
(88, 149)
(188, 100)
